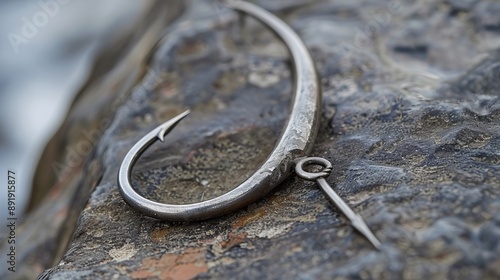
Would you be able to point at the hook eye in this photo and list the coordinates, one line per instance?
(311, 176)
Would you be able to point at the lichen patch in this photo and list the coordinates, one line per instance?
(124, 253)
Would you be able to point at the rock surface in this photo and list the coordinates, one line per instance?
(410, 121)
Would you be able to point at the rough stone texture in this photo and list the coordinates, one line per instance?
(410, 121)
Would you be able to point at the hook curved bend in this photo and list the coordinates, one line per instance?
(295, 142)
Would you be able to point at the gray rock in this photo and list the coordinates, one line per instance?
(410, 122)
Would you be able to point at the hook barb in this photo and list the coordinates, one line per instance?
(166, 127)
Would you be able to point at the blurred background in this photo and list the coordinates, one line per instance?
(46, 50)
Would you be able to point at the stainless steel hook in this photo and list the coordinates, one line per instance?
(296, 140)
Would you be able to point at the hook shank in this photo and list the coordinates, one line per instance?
(356, 220)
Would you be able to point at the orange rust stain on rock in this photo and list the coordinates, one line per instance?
(152, 267)
(159, 235)
(233, 240)
(279, 200)
(172, 266)
(248, 218)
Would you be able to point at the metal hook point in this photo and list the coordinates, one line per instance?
(166, 127)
